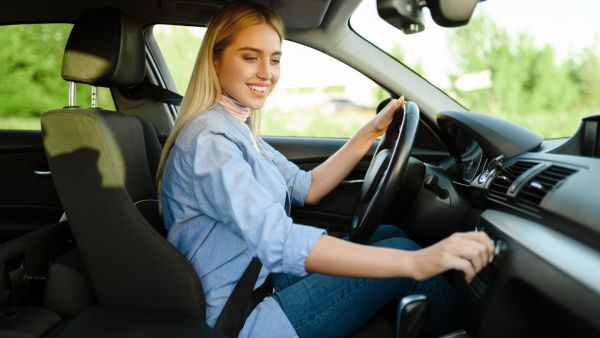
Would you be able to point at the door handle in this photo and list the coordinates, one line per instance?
(42, 172)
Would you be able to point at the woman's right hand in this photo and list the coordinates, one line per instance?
(468, 252)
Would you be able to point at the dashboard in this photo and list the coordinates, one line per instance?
(540, 203)
(472, 161)
(512, 173)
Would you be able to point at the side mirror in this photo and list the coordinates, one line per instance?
(405, 15)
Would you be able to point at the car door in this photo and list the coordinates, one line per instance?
(28, 200)
(30, 83)
(30, 64)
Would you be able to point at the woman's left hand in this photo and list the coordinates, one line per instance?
(328, 175)
(382, 121)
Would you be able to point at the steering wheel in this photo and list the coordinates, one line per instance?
(386, 170)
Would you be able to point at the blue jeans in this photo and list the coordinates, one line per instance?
(327, 306)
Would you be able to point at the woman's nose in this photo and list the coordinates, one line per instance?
(265, 72)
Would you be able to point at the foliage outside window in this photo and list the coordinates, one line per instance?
(30, 66)
(317, 96)
(509, 69)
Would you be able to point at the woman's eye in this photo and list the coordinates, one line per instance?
(275, 61)
(250, 58)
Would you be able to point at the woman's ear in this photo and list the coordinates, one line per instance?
(216, 64)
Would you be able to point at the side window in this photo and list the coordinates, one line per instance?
(317, 96)
(30, 81)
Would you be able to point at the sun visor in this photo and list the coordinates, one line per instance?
(295, 14)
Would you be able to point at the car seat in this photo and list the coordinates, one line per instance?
(103, 163)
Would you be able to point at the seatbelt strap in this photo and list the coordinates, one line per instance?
(150, 91)
(240, 302)
(243, 299)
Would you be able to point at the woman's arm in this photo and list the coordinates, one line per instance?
(330, 173)
(468, 252)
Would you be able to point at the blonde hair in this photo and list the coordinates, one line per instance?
(204, 89)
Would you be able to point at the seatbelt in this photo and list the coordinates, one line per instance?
(150, 91)
(242, 300)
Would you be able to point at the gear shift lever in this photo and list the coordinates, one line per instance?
(413, 313)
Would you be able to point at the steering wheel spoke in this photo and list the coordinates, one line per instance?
(386, 170)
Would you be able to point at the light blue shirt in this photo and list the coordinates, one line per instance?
(224, 202)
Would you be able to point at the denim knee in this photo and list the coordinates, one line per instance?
(402, 243)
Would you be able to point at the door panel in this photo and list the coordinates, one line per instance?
(28, 199)
(334, 212)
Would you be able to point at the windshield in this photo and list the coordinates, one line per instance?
(525, 61)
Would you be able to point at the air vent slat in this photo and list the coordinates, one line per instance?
(529, 203)
(554, 176)
(531, 208)
(537, 188)
(506, 177)
(533, 191)
(548, 184)
(533, 194)
(562, 171)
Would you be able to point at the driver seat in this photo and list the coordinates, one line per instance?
(102, 163)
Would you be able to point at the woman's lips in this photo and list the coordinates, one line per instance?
(259, 90)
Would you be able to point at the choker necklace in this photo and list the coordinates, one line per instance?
(236, 109)
(240, 113)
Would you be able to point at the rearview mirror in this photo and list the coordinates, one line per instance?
(403, 14)
(451, 13)
(406, 15)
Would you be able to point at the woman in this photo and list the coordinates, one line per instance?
(225, 197)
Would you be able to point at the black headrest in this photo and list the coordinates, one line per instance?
(105, 49)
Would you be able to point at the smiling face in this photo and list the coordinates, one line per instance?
(248, 68)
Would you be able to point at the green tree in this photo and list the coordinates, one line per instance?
(549, 86)
(493, 53)
(525, 78)
(31, 59)
(180, 47)
(587, 74)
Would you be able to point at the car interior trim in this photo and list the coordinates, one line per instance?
(573, 258)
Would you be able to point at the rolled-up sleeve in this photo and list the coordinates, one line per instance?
(226, 190)
(298, 181)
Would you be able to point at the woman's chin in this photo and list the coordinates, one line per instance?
(256, 104)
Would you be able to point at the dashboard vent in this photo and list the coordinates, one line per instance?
(536, 189)
(506, 177)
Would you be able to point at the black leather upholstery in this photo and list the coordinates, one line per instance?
(26, 322)
(102, 163)
(106, 322)
(153, 147)
(67, 290)
(105, 49)
(99, 167)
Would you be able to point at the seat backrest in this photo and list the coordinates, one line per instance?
(103, 164)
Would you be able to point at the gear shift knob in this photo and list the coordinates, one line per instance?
(413, 313)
